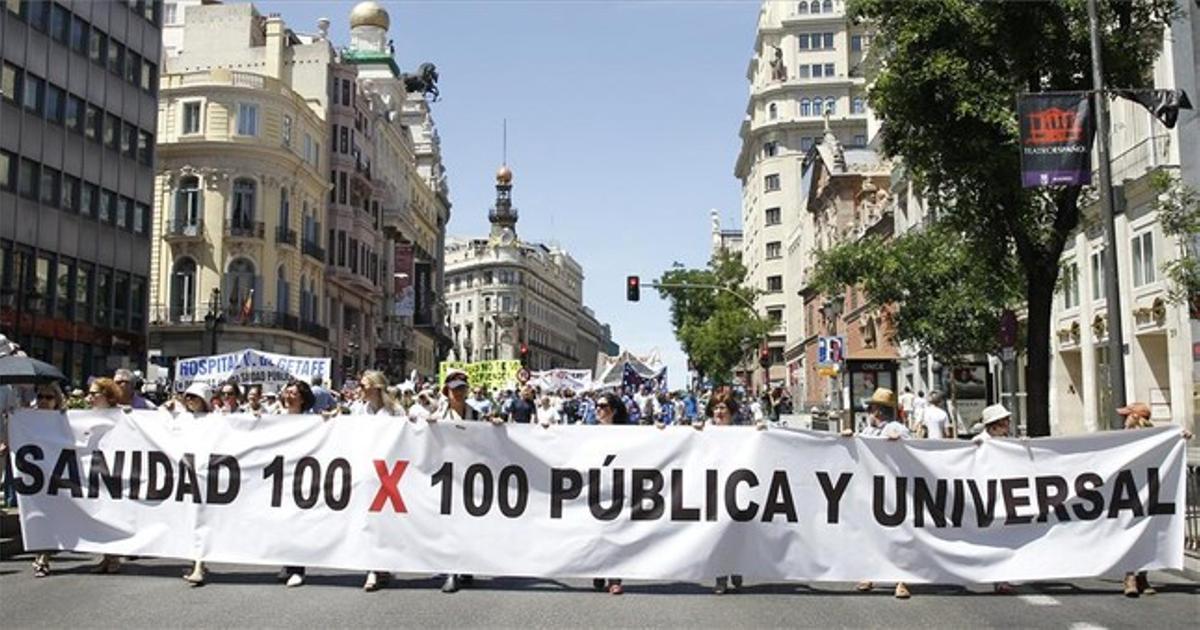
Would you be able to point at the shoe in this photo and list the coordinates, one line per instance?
(1130, 586)
(372, 583)
(108, 564)
(295, 580)
(721, 586)
(451, 584)
(41, 568)
(615, 588)
(864, 586)
(1003, 588)
(283, 575)
(736, 581)
(902, 591)
(598, 584)
(1143, 584)
(195, 578)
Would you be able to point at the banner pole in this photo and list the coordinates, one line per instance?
(1112, 286)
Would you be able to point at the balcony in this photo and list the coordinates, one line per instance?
(314, 330)
(163, 315)
(243, 229)
(285, 236)
(181, 230)
(311, 248)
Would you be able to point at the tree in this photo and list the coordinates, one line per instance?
(945, 80)
(717, 328)
(1178, 209)
(942, 301)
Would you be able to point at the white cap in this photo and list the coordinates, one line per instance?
(994, 413)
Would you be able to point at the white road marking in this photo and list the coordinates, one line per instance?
(1039, 600)
(1083, 625)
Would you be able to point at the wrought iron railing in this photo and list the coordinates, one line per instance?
(245, 230)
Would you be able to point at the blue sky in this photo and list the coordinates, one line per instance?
(622, 128)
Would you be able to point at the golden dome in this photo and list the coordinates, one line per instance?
(504, 175)
(369, 14)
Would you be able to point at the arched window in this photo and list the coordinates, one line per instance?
(826, 6)
(282, 291)
(772, 111)
(805, 107)
(187, 202)
(831, 105)
(856, 106)
(817, 105)
(285, 209)
(183, 290)
(240, 282)
(304, 299)
(244, 193)
(802, 8)
(816, 6)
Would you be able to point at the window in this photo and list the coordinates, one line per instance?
(1143, 258)
(79, 35)
(112, 132)
(63, 294)
(116, 58)
(816, 6)
(285, 209)
(346, 92)
(93, 126)
(51, 181)
(770, 149)
(29, 175)
(54, 103)
(856, 43)
(775, 315)
(857, 106)
(247, 119)
(805, 107)
(827, 41)
(104, 283)
(141, 219)
(239, 281)
(826, 6)
(802, 8)
(818, 71)
(98, 47)
(860, 140)
(830, 105)
(145, 148)
(774, 250)
(1070, 286)
(73, 113)
(187, 202)
(83, 292)
(771, 183)
(124, 212)
(1098, 274)
(343, 188)
(108, 206)
(120, 299)
(344, 139)
(829, 70)
(10, 83)
(772, 216)
(137, 303)
(7, 179)
(149, 76)
(802, 71)
(70, 193)
(806, 144)
(43, 282)
(31, 93)
(774, 284)
(341, 248)
(38, 14)
(190, 118)
(170, 13)
(772, 111)
(244, 192)
(89, 200)
(802, 38)
(281, 290)
(287, 130)
(60, 23)
(129, 141)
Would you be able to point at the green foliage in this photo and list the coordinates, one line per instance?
(1178, 209)
(947, 76)
(946, 302)
(717, 328)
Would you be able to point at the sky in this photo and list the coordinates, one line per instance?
(622, 128)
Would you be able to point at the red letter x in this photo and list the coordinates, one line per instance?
(389, 486)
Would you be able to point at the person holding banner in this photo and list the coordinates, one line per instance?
(610, 410)
(104, 393)
(196, 402)
(297, 399)
(881, 410)
(374, 397)
(547, 414)
(996, 423)
(49, 398)
(455, 407)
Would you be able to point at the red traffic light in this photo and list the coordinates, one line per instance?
(633, 289)
(524, 349)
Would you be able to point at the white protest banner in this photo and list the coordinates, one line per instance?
(375, 493)
(249, 366)
(559, 379)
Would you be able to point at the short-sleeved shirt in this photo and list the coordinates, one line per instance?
(523, 411)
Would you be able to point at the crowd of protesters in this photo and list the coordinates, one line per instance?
(457, 400)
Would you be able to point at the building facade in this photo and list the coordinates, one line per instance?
(78, 85)
(512, 299)
(806, 69)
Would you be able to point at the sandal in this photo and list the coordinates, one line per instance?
(41, 569)
(615, 588)
(864, 586)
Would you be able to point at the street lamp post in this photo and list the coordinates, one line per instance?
(214, 319)
(832, 310)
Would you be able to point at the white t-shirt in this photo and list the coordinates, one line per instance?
(887, 430)
(937, 422)
(547, 415)
(906, 401)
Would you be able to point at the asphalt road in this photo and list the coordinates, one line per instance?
(150, 593)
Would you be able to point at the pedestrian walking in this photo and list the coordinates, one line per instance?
(454, 407)
(374, 399)
(49, 397)
(882, 422)
(935, 421)
(104, 393)
(610, 410)
(196, 402)
(297, 398)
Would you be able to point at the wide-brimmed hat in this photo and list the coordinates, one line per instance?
(883, 397)
(201, 391)
(1135, 409)
(994, 413)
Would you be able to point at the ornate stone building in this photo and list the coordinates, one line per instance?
(504, 295)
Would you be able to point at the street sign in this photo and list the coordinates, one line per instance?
(830, 370)
(523, 375)
(830, 350)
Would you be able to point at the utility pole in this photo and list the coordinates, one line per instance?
(1112, 284)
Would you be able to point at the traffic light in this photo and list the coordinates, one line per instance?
(633, 289)
(764, 357)
(524, 353)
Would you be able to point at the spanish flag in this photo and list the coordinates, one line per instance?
(248, 307)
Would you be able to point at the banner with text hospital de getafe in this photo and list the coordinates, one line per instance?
(374, 493)
(249, 367)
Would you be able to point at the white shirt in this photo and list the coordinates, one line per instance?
(547, 415)
(888, 429)
(906, 401)
(937, 422)
(363, 408)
